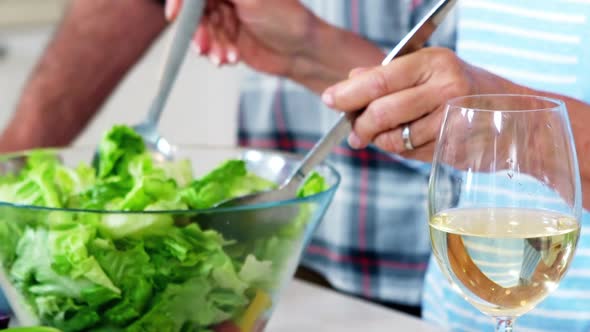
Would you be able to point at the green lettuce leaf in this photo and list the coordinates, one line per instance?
(189, 306)
(35, 184)
(131, 270)
(230, 179)
(53, 295)
(254, 271)
(117, 147)
(314, 184)
(70, 255)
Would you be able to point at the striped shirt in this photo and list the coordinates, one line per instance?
(543, 44)
(373, 241)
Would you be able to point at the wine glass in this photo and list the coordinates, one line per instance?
(505, 201)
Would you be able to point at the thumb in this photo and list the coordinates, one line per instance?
(172, 8)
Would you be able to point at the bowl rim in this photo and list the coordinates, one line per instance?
(291, 155)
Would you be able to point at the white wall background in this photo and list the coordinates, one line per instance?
(201, 109)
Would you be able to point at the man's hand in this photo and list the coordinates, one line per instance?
(279, 37)
(410, 90)
(268, 35)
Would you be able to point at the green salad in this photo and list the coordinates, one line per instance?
(86, 271)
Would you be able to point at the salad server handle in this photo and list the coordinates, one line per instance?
(188, 20)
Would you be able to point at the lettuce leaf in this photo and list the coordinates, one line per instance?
(35, 184)
(117, 147)
(230, 179)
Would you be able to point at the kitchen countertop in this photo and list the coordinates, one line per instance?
(306, 307)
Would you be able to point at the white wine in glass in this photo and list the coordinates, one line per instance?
(505, 231)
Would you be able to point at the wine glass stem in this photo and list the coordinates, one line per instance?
(504, 324)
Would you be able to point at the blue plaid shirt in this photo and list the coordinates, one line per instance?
(373, 241)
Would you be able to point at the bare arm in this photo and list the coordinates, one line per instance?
(331, 55)
(96, 44)
(579, 114)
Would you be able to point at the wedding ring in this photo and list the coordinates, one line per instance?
(406, 138)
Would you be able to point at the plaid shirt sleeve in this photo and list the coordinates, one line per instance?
(373, 241)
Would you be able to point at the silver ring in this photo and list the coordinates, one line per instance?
(406, 138)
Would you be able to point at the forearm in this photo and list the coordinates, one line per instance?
(96, 44)
(331, 54)
(579, 114)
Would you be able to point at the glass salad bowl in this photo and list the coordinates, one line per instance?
(78, 255)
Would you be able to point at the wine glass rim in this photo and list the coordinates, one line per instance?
(459, 103)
